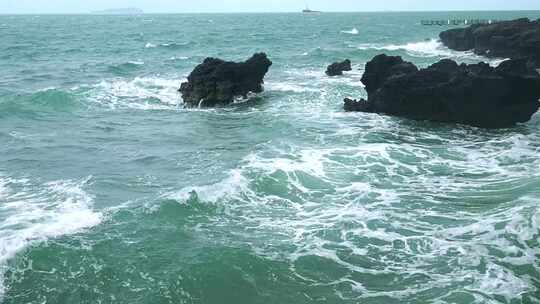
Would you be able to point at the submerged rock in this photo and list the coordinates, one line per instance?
(337, 68)
(517, 39)
(218, 82)
(475, 94)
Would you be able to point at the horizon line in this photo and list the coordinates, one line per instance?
(98, 13)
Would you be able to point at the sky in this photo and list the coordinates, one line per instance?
(187, 6)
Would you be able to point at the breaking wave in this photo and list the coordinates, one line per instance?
(33, 213)
(144, 93)
(175, 45)
(429, 48)
(344, 205)
(354, 31)
(168, 45)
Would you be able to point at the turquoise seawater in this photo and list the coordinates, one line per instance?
(112, 192)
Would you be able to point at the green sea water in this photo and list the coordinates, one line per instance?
(112, 192)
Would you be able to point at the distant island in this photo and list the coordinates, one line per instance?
(120, 11)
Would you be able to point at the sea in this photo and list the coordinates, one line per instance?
(111, 191)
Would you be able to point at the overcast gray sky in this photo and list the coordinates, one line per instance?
(178, 6)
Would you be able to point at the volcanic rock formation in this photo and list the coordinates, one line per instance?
(517, 39)
(475, 94)
(218, 82)
(337, 68)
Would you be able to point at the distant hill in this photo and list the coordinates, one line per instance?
(120, 11)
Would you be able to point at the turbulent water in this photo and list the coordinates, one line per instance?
(112, 192)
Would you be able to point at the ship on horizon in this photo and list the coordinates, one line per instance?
(120, 11)
(308, 11)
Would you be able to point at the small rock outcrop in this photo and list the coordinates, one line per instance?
(218, 82)
(475, 94)
(517, 39)
(337, 68)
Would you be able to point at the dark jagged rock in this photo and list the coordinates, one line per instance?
(381, 68)
(337, 68)
(353, 105)
(218, 82)
(475, 94)
(517, 39)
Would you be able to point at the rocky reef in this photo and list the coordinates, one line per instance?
(475, 94)
(337, 68)
(217, 82)
(517, 39)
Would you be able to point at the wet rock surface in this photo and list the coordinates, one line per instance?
(337, 68)
(217, 82)
(475, 94)
(517, 39)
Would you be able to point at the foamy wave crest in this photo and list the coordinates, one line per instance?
(169, 45)
(175, 58)
(354, 31)
(430, 48)
(144, 93)
(289, 87)
(233, 184)
(175, 45)
(34, 213)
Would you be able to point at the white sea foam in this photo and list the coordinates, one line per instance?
(353, 31)
(308, 161)
(496, 62)
(350, 78)
(243, 99)
(234, 183)
(34, 213)
(342, 203)
(136, 62)
(289, 87)
(316, 81)
(139, 93)
(150, 45)
(430, 48)
(174, 58)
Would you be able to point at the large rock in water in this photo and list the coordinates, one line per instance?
(337, 68)
(475, 94)
(515, 39)
(218, 82)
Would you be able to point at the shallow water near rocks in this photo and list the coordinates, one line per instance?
(112, 192)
